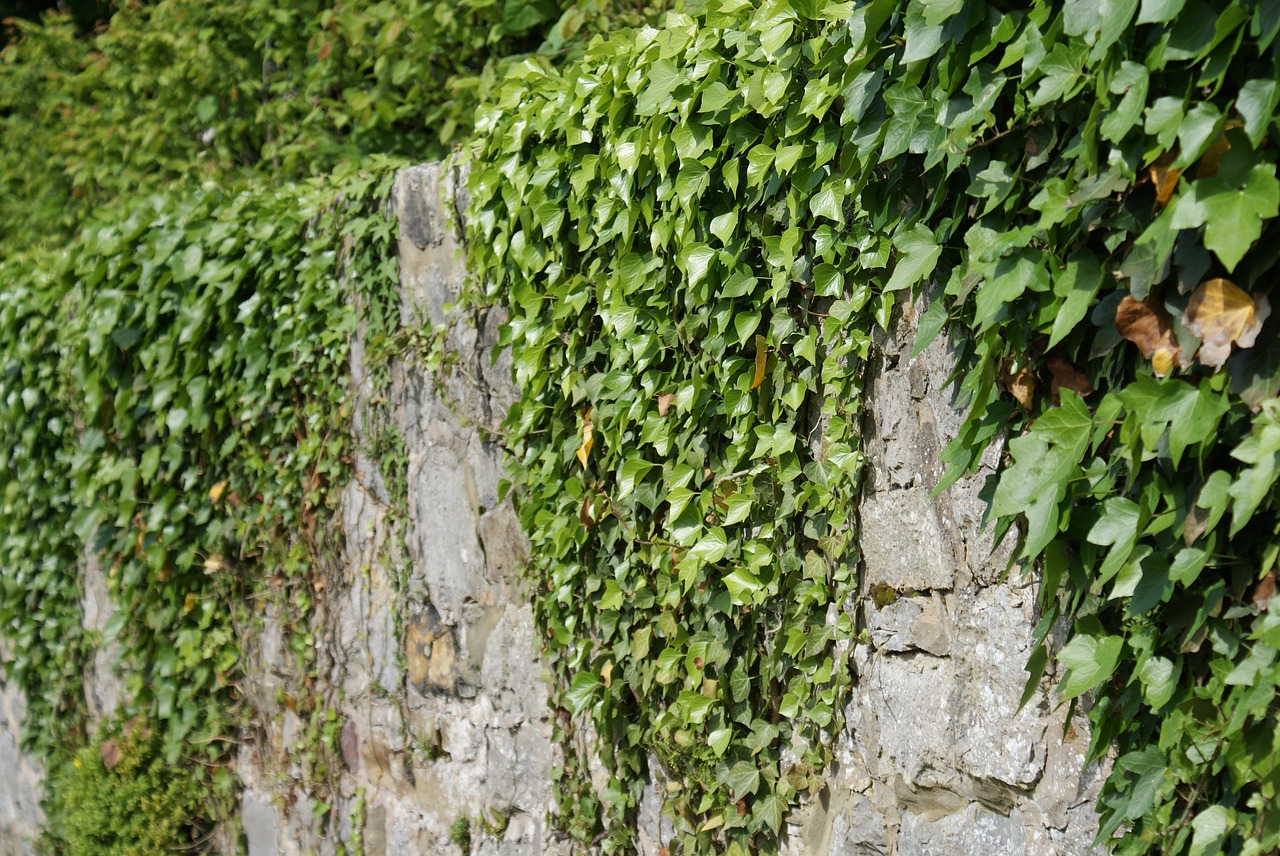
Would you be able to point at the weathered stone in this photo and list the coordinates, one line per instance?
(259, 821)
(103, 687)
(23, 776)
(935, 744)
(971, 832)
(996, 740)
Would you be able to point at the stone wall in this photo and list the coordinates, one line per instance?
(419, 668)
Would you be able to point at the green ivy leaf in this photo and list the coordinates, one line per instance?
(918, 256)
(1092, 657)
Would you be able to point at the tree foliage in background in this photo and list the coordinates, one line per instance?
(682, 224)
(181, 91)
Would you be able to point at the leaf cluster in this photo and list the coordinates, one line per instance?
(176, 408)
(693, 229)
(119, 795)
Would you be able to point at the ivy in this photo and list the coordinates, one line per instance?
(177, 409)
(693, 230)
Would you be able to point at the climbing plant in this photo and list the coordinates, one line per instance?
(693, 230)
(176, 408)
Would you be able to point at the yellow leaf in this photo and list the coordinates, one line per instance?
(1020, 383)
(189, 603)
(1165, 178)
(762, 358)
(1220, 313)
(606, 672)
(216, 492)
(713, 823)
(588, 439)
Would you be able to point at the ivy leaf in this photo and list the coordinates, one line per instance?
(694, 707)
(1076, 285)
(695, 260)
(719, 739)
(582, 691)
(930, 325)
(1220, 313)
(1234, 210)
(186, 264)
(743, 586)
(1256, 104)
(742, 779)
(769, 809)
(1091, 657)
(918, 256)
(632, 471)
(1149, 326)
(1159, 678)
(1042, 461)
(1148, 769)
(1159, 11)
(711, 546)
(828, 203)
(1210, 830)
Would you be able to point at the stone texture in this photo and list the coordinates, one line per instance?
(22, 780)
(425, 646)
(936, 757)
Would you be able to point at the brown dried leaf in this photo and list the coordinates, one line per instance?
(664, 402)
(1066, 376)
(588, 438)
(1264, 591)
(1220, 312)
(762, 359)
(1164, 177)
(1020, 383)
(1149, 326)
(111, 753)
(1207, 167)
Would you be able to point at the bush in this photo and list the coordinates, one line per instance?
(118, 795)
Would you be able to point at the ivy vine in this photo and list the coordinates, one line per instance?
(693, 230)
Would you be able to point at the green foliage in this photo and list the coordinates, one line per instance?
(176, 406)
(664, 222)
(460, 833)
(184, 89)
(119, 796)
(692, 230)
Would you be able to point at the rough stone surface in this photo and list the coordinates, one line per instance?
(432, 690)
(415, 696)
(936, 757)
(21, 777)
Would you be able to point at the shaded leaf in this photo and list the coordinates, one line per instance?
(1066, 376)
